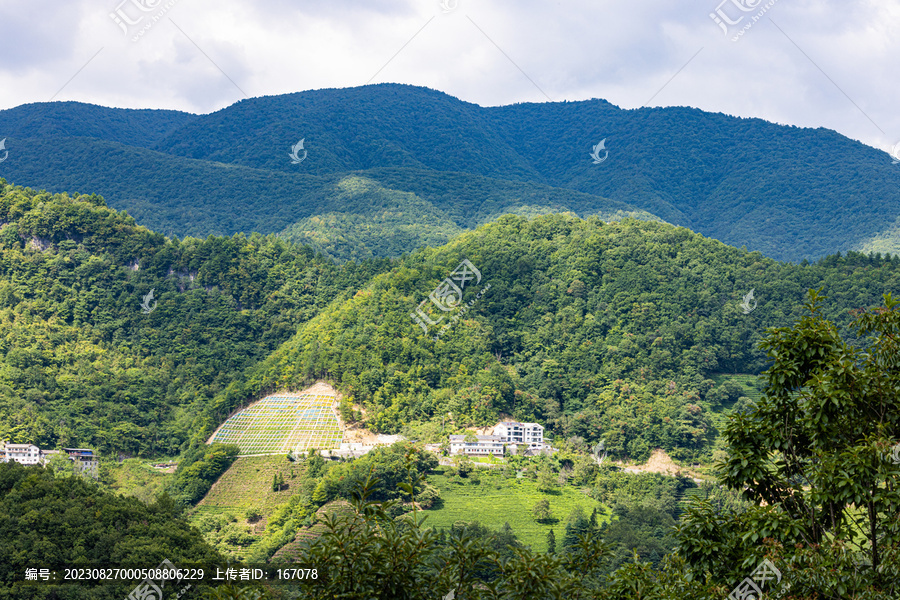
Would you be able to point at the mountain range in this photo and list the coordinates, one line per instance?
(389, 168)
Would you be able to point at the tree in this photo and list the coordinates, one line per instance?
(60, 465)
(463, 465)
(347, 413)
(541, 511)
(576, 524)
(813, 457)
(551, 542)
(546, 481)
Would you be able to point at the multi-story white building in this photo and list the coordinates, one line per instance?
(515, 433)
(508, 434)
(484, 446)
(29, 454)
(26, 454)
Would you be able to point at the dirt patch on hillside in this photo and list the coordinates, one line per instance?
(358, 435)
(320, 388)
(659, 462)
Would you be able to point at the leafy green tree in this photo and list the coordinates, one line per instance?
(60, 465)
(463, 465)
(541, 510)
(546, 481)
(199, 469)
(814, 457)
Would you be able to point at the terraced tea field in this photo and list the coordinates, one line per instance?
(246, 485)
(283, 423)
(495, 501)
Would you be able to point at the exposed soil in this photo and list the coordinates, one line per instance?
(659, 462)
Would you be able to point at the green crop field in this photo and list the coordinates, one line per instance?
(283, 423)
(246, 485)
(496, 500)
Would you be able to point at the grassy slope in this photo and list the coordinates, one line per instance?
(136, 477)
(248, 485)
(494, 501)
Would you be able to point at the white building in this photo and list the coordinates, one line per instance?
(484, 445)
(25, 454)
(514, 433)
(29, 454)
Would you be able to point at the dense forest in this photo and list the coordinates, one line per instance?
(118, 338)
(603, 331)
(83, 364)
(788, 192)
(805, 503)
(59, 523)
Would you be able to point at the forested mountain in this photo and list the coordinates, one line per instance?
(82, 363)
(115, 337)
(43, 120)
(602, 331)
(180, 196)
(597, 330)
(788, 192)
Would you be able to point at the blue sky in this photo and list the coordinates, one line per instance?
(816, 63)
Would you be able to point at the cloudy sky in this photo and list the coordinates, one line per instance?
(811, 63)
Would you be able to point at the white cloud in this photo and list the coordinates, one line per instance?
(568, 49)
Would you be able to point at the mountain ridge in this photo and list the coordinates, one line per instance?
(789, 192)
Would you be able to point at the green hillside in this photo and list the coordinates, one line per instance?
(41, 120)
(495, 500)
(602, 331)
(235, 511)
(83, 364)
(402, 209)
